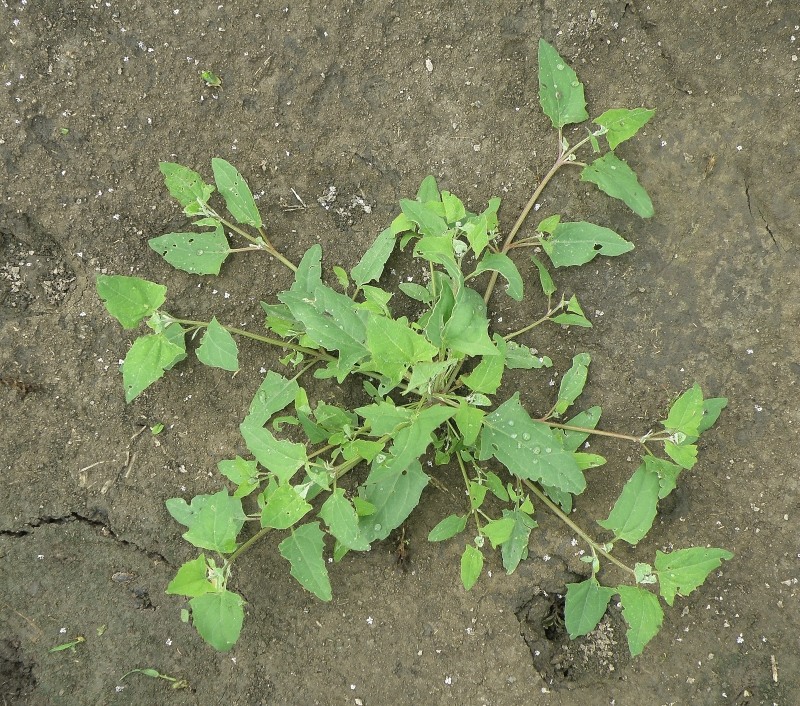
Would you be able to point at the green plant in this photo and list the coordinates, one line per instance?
(428, 386)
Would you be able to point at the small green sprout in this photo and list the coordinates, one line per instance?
(211, 79)
(154, 674)
(68, 645)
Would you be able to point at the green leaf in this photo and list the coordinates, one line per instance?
(712, 408)
(466, 331)
(515, 548)
(529, 450)
(635, 509)
(342, 521)
(423, 373)
(471, 566)
(585, 605)
(477, 494)
(547, 225)
(503, 264)
(686, 412)
(572, 320)
(384, 417)
(546, 281)
(331, 321)
(499, 531)
(394, 495)
(588, 419)
(560, 92)
(521, 357)
(572, 383)
(280, 456)
(146, 362)
(488, 374)
(580, 242)
(303, 550)
(449, 527)
(495, 485)
(454, 210)
(395, 346)
(477, 232)
(214, 521)
(186, 186)
(218, 349)
(411, 441)
(191, 579)
(370, 266)
(309, 271)
(341, 277)
(218, 618)
(200, 253)
(427, 220)
(685, 456)
(562, 499)
(614, 177)
(416, 292)
(236, 193)
(243, 473)
(284, 508)
(622, 123)
(682, 571)
(428, 191)
(644, 616)
(130, 299)
(274, 393)
(666, 471)
(468, 420)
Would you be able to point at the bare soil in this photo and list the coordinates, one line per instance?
(369, 98)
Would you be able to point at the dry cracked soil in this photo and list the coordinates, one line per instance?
(354, 103)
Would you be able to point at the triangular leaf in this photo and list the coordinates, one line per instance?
(130, 299)
(635, 509)
(644, 616)
(218, 349)
(303, 550)
(214, 521)
(191, 579)
(200, 253)
(471, 566)
(218, 618)
(585, 605)
(682, 571)
(146, 362)
(622, 123)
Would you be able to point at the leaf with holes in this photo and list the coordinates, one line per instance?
(560, 91)
(130, 299)
(614, 177)
(237, 195)
(200, 253)
(580, 242)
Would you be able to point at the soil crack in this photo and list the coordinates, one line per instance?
(753, 209)
(99, 524)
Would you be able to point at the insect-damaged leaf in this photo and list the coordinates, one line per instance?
(186, 186)
(236, 193)
(200, 253)
(560, 91)
(580, 242)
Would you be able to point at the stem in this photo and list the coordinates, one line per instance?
(256, 337)
(527, 328)
(598, 432)
(585, 537)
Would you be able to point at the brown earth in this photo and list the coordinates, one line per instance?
(94, 95)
